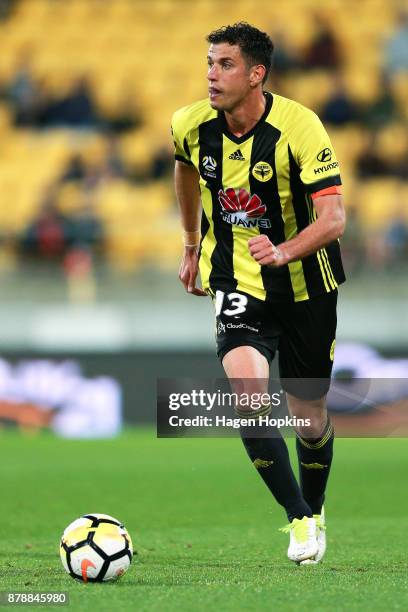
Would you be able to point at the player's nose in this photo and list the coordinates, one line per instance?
(212, 73)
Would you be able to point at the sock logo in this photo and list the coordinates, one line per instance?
(262, 463)
(333, 346)
(314, 466)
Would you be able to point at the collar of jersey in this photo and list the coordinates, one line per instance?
(240, 139)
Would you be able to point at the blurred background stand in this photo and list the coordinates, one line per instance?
(89, 231)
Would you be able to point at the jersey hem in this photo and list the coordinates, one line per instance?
(270, 300)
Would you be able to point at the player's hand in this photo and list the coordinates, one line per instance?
(266, 253)
(189, 270)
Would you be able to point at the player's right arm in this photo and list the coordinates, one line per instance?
(186, 180)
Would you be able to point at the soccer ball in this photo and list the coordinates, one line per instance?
(96, 548)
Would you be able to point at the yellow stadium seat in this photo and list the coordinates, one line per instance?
(379, 200)
(153, 54)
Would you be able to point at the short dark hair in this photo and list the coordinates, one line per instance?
(255, 46)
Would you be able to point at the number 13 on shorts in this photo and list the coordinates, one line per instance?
(237, 303)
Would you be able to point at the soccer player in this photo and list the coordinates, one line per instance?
(259, 173)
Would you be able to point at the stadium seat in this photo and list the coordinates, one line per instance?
(114, 42)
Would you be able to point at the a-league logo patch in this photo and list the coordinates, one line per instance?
(209, 166)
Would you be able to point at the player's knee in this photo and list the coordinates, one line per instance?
(312, 426)
(249, 412)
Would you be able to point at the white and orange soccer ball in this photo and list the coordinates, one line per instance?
(96, 548)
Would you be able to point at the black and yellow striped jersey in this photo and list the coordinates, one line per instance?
(261, 182)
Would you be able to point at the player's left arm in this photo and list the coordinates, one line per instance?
(329, 225)
(315, 158)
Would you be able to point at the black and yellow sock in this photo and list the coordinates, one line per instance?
(269, 455)
(315, 458)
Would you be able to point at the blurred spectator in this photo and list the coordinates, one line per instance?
(323, 50)
(396, 241)
(77, 235)
(79, 272)
(396, 50)
(76, 109)
(400, 166)
(114, 166)
(383, 109)
(86, 241)
(6, 8)
(369, 163)
(51, 234)
(129, 117)
(47, 236)
(24, 94)
(78, 170)
(339, 109)
(285, 58)
(162, 164)
(33, 106)
(93, 176)
(75, 170)
(85, 228)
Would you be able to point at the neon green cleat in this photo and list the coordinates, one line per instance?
(303, 540)
(321, 539)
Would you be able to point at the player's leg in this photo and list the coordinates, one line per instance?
(265, 446)
(246, 342)
(306, 356)
(314, 446)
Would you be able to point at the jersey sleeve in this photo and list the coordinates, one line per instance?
(179, 132)
(314, 154)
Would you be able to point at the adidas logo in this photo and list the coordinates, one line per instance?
(237, 155)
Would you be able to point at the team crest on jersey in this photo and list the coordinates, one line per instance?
(238, 207)
(262, 171)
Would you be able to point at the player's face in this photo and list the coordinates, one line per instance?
(228, 76)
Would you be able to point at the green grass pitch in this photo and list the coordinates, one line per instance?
(204, 525)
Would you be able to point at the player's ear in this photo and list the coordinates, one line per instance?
(257, 75)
